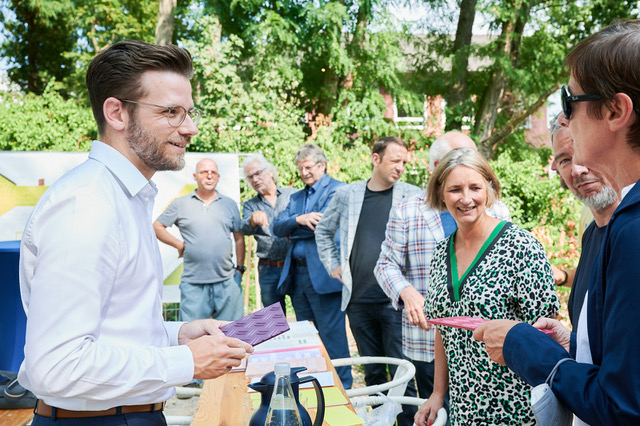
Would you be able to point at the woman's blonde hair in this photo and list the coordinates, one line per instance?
(461, 157)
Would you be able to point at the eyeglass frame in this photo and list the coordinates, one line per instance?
(169, 109)
(208, 172)
(256, 174)
(568, 99)
(308, 168)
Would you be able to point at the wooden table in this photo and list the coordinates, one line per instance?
(221, 399)
(17, 417)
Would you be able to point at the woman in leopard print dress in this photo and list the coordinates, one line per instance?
(490, 269)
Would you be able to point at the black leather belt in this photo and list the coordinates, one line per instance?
(300, 262)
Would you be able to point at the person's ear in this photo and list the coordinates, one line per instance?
(115, 114)
(375, 159)
(620, 112)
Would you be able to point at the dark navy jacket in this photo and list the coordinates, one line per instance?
(606, 392)
(285, 225)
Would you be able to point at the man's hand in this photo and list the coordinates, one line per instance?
(214, 354)
(258, 218)
(561, 335)
(337, 273)
(310, 220)
(194, 329)
(493, 333)
(181, 251)
(414, 307)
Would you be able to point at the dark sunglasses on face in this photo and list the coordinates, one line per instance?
(568, 99)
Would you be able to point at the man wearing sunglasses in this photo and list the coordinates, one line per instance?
(97, 350)
(602, 112)
(258, 214)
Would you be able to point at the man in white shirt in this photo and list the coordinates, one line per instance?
(97, 350)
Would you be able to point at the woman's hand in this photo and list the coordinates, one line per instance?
(428, 411)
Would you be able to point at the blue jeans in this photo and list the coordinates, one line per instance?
(377, 328)
(222, 300)
(324, 310)
(268, 277)
(133, 419)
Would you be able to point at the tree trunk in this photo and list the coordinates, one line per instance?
(457, 92)
(164, 28)
(509, 45)
(487, 146)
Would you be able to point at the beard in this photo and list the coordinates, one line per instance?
(601, 199)
(151, 150)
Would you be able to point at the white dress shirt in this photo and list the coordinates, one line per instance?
(91, 283)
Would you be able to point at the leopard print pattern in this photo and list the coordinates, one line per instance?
(513, 281)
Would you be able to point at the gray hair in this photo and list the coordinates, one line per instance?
(439, 149)
(555, 126)
(311, 150)
(264, 163)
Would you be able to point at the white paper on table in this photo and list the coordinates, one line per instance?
(301, 334)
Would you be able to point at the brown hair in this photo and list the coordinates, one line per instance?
(606, 63)
(381, 145)
(117, 71)
(460, 157)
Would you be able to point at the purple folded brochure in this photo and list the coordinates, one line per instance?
(259, 326)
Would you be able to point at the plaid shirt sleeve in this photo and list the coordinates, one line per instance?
(390, 267)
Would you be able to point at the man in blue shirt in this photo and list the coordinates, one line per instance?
(315, 295)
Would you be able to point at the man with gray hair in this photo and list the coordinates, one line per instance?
(596, 193)
(315, 295)
(258, 214)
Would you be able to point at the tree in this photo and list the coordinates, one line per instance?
(56, 39)
(37, 42)
(164, 28)
(525, 60)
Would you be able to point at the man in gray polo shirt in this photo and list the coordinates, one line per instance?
(210, 284)
(258, 214)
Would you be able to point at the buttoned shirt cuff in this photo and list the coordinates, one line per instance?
(173, 328)
(180, 365)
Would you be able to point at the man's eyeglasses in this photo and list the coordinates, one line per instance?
(304, 169)
(568, 99)
(255, 175)
(175, 114)
(208, 172)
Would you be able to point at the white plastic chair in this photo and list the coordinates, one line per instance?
(396, 387)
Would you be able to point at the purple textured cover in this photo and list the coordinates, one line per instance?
(259, 326)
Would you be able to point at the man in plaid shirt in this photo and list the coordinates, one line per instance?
(413, 230)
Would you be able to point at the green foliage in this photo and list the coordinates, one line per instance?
(45, 123)
(538, 203)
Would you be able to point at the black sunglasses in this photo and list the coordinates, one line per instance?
(567, 99)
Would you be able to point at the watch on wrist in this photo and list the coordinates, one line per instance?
(241, 268)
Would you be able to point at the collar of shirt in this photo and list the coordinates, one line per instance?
(195, 195)
(130, 177)
(626, 190)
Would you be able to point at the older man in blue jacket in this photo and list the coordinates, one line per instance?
(315, 295)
